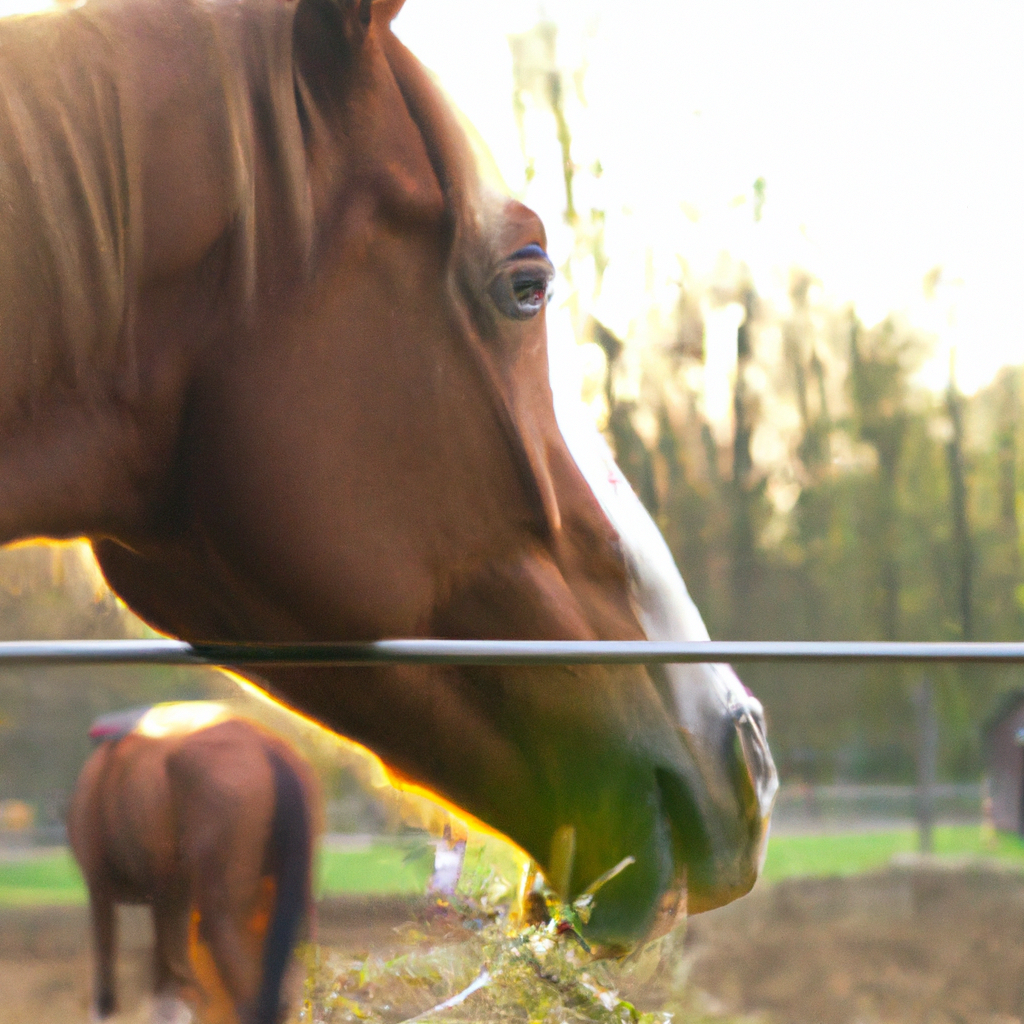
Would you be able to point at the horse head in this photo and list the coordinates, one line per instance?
(311, 402)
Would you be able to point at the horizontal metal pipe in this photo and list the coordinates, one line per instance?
(497, 652)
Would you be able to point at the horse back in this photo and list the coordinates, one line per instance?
(120, 822)
(223, 794)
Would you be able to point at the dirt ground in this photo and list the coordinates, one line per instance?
(914, 945)
(911, 945)
(45, 962)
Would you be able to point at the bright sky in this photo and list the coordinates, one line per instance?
(890, 136)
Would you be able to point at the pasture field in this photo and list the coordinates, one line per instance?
(851, 853)
(52, 878)
(398, 866)
(915, 944)
(382, 867)
(921, 942)
(49, 878)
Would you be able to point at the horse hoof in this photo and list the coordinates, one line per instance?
(169, 1010)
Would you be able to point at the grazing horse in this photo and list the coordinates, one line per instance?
(188, 809)
(268, 342)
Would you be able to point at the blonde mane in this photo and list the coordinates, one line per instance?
(72, 119)
(68, 233)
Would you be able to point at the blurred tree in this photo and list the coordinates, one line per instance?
(963, 549)
(52, 592)
(745, 489)
(630, 451)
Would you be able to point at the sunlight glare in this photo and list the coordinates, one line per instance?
(883, 133)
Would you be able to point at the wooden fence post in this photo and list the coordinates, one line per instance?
(927, 763)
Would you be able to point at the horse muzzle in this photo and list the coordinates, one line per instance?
(695, 823)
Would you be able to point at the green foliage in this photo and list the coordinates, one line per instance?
(903, 526)
(50, 592)
(382, 867)
(842, 501)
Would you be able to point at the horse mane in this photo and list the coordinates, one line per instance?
(68, 234)
(71, 118)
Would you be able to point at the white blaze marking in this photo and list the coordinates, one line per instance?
(660, 598)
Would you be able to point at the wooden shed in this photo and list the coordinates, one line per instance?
(1004, 753)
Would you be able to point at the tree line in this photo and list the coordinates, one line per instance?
(890, 514)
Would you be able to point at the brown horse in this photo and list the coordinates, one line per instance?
(187, 817)
(268, 343)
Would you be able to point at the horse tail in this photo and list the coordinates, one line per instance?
(291, 851)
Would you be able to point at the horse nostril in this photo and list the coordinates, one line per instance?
(757, 779)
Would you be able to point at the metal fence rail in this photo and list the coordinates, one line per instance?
(497, 652)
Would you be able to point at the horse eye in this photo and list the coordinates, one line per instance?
(521, 289)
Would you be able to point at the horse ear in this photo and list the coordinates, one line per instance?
(387, 10)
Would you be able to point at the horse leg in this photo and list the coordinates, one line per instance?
(223, 890)
(104, 936)
(224, 827)
(236, 955)
(171, 968)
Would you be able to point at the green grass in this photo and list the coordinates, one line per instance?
(389, 867)
(850, 853)
(51, 878)
(384, 867)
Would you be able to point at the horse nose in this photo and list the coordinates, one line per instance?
(759, 780)
(707, 829)
(721, 824)
(658, 820)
